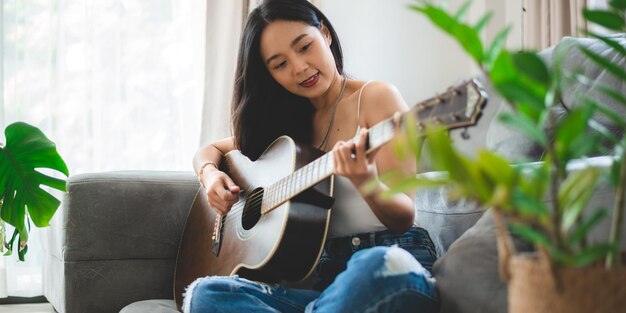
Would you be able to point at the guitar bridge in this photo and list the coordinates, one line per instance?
(217, 234)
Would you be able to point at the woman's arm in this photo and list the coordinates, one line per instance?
(221, 190)
(379, 102)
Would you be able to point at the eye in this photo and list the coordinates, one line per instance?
(280, 65)
(306, 47)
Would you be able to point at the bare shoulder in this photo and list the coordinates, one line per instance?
(380, 100)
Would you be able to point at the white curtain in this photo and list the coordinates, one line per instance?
(117, 84)
(223, 30)
(547, 21)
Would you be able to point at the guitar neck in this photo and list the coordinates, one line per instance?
(458, 107)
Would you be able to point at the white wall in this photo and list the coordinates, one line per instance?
(384, 40)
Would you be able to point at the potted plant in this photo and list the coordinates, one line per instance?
(566, 273)
(23, 200)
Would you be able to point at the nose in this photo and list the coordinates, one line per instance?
(300, 66)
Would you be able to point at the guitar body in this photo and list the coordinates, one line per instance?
(283, 244)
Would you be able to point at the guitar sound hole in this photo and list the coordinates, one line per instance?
(252, 209)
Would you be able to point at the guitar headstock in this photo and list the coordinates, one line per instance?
(460, 106)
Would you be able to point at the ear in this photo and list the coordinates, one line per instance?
(326, 33)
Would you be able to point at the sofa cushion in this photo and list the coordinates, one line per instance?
(444, 219)
(577, 61)
(467, 275)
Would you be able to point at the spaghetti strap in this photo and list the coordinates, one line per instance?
(358, 110)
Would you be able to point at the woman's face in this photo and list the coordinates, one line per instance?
(299, 58)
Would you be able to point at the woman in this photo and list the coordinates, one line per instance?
(290, 81)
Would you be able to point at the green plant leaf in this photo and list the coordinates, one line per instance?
(528, 206)
(28, 149)
(496, 167)
(574, 193)
(586, 144)
(414, 137)
(536, 178)
(460, 13)
(593, 253)
(461, 170)
(605, 63)
(525, 126)
(516, 87)
(612, 115)
(530, 234)
(607, 19)
(496, 47)
(532, 66)
(615, 170)
(616, 95)
(536, 237)
(609, 42)
(573, 126)
(618, 4)
(580, 232)
(411, 184)
(478, 27)
(604, 133)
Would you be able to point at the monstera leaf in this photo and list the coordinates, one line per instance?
(27, 150)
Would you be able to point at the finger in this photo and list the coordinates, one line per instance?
(337, 159)
(343, 158)
(360, 147)
(372, 155)
(226, 196)
(230, 185)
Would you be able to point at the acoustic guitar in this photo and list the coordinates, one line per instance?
(277, 229)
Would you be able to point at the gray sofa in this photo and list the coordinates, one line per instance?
(112, 245)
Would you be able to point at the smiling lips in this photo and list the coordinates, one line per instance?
(311, 81)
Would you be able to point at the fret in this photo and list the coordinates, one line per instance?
(309, 177)
(299, 181)
(328, 164)
(316, 169)
(289, 187)
(282, 189)
(270, 195)
(265, 199)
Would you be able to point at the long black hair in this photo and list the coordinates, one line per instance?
(262, 110)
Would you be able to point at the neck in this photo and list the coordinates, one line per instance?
(324, 102)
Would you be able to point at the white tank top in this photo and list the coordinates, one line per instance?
(351, 214)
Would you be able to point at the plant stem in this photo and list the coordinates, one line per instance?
(556, 175)
(612, 259)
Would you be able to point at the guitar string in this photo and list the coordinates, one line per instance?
(254, 199)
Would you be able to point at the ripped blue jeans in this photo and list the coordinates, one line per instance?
(373, 272)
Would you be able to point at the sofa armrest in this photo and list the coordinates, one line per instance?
(115, 239)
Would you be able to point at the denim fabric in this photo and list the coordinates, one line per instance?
(378, 272)
(337, 251)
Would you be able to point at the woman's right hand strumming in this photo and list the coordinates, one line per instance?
(221, 191)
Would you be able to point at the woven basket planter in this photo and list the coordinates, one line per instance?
(536, 286)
